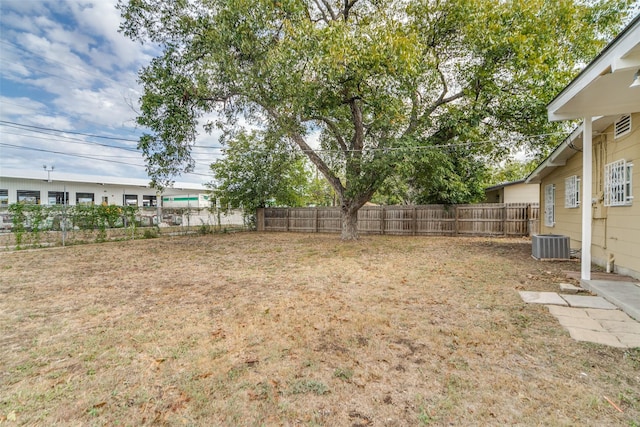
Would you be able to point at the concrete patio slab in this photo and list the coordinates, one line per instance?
(578, 313)
(581, 323)
(616, 315)
(629, 340)
(624, 327)
(625, 295)
(597, 337)
(567, 288)
(583, 301)
(542, 298)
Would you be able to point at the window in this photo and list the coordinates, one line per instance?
(84, 198)
(58, 198)
(549, 205)
(572, 192)
(617, 183)
(29, 197)
(622, 126)
(149, 201)
(4, 197)
(130, 199)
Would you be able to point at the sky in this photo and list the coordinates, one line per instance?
(69, 92)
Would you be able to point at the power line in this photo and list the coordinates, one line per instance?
(69, 140)
(67, 131)
(373, 149)
(41, 128)
(74, 142)
(42, 150)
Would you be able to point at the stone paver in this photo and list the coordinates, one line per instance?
(598, 337)
(557, 310)
(581, 323)
(629, 340)
(589, 318)
(542, 298)
(625, 327)
(567, 288)
(617, 315)
(584, 301)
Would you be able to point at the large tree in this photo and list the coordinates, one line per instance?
(374, 79)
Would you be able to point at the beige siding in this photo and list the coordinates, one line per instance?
(616, 229)
(522, 193)
(514, 193)
(568, 220)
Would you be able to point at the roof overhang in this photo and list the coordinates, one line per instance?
(563, 152)
(504, 184)
(603, 87)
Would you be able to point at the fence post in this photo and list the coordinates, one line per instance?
(504, 219)
(260, 219)
(287, 217)
(316, 214)
(415, 221)
(455, 209)
(382, 216)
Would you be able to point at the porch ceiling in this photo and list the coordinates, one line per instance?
(603, 88)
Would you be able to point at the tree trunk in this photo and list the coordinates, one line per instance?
(349, 223)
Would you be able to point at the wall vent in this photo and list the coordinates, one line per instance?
(622, 126)
(550, 246)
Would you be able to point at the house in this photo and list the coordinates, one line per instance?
(590, 188)
(512, 192)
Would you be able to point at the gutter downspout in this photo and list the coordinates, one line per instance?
(587, 183)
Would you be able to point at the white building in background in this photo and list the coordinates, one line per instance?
(56, 188)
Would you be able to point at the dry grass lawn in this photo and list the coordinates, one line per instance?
(295, 329)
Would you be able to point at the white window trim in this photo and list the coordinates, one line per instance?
(572, 192)
(618, 183)
(549, 205)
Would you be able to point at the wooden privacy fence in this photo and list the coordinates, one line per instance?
(490, 219)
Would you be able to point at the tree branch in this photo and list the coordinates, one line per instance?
(415, 117)
(347, 7)
(317, 160)
(313, 156)
(334, 130)
(356, 116)
(325, 18)
(330, 10)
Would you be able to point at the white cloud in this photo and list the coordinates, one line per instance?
(18, 106)
(66, 66)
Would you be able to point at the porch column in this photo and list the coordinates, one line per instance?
(587, 172)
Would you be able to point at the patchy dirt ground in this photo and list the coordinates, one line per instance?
(296, 329)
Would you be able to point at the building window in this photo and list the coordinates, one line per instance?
(572, 192)
(4, 197)
(130, 200)
(549, 205)
(29, 197)
(58, 198)
(84, 199)
(617, 183)
(149, 201)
